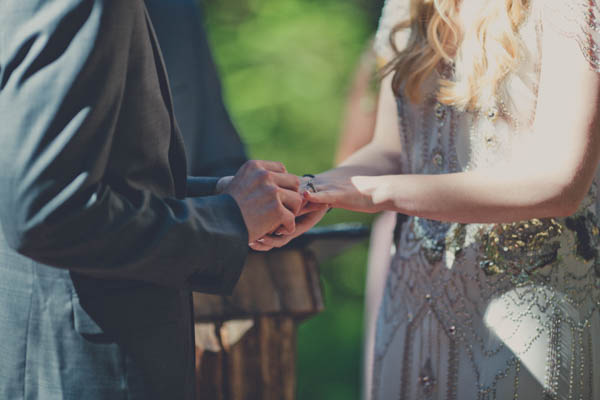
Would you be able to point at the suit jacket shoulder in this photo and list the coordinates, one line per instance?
(93, 171)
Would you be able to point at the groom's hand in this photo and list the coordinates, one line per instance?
(308, 217)
(267, 196)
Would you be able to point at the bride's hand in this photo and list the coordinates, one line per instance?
(354, 193)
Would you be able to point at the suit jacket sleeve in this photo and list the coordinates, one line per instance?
(197, 186)
(61, 83)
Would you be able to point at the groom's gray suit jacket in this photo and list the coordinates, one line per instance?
(103, 236)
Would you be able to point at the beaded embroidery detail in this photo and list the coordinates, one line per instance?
(491, 311)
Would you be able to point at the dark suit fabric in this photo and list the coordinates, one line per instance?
(103, 236)
(212, 143)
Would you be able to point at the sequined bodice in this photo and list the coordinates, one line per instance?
(477, 311)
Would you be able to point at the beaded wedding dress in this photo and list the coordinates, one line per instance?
(490, 311)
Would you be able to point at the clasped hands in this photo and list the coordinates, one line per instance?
(273, 203)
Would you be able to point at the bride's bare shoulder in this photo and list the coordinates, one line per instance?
(578, 20)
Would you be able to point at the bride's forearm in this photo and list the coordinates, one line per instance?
(470, 197)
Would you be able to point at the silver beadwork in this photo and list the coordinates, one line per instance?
(445, 275)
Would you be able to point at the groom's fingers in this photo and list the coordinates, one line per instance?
(273, 166)
(303, 224)
(288, 221)
(291, 200)
(311, 207)
(280, 239)
(286, 181)
(265, 206)
(276, 241)
(259, 246)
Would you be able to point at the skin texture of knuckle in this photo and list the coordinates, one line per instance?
(291, 226)
(262, 175)
(280, 212)
(297, 205)
(284, 216)
(296, 182)
(269, 176)
(272, 211)
(289, 219)
(272, 191)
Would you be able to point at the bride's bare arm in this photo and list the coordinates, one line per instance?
(548, 175)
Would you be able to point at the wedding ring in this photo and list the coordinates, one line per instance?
(311, 187)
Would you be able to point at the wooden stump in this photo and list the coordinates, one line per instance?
(246, 343)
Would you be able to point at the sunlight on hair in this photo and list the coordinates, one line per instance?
(481, 41)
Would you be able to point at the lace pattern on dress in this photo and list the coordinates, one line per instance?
(491, 311)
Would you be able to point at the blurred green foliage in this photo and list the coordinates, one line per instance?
(286, 67)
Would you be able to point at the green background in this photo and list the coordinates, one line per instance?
(286, 67)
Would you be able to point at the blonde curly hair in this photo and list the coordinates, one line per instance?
(483, 53)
